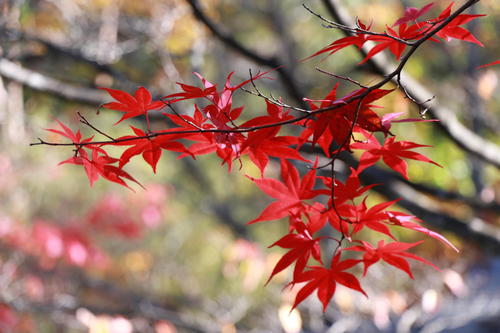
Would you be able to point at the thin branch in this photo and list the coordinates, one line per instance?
(345, 78)
(270, 99)
(190, 123)
(357, 29)
(84, 120)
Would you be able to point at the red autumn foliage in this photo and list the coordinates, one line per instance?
(391, 153)
(132, 106)
(330, 123)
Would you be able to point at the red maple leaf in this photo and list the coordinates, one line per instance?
(150, 148)
(261, 144)
(68, 133)
(132, 106)
(100, 165)
(392, 253)
(347, 191)
(373, 217)
(335, 125)
(453, 29)
(412, 14)
(395, 47)
(290, 193)
(388, 119)
(391, 153)
(358, 39)
(413, 223)
(190, 92)
(220, 113)
(491, 64)
(226, 145)
(220, 110)
(325, 280)
(100, 162)
(302, 246)
(274, 115)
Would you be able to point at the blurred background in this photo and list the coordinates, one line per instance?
(178, 256)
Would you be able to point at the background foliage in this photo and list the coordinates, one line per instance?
(179, 256)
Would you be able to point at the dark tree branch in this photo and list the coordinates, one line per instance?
(17, 35)
(440, 194)
(40, 82)
(448, 122)
(286, 76)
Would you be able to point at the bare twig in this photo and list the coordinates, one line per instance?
(83, 120)
(357, 29)
(345, 78)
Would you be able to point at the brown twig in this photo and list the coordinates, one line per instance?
(84, 121)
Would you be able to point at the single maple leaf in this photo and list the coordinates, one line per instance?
(491, 64)
(412, 14)
(453, 29)
(395, 47)
(132, 106)
(261, 144)
(100, 165)
(302, 246)
(413, 223)
(391, 153)
(374, 217)
(349, 219)
(68, 133)
(347, 191)
(358, 39)
(189, 92)
(325, 280)
(318, 127)
(150, 148)
(389, 118)
(220, 109)
(392, 253)
(290, 194)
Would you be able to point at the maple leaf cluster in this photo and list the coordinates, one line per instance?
(409, 30)
(312, 202)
